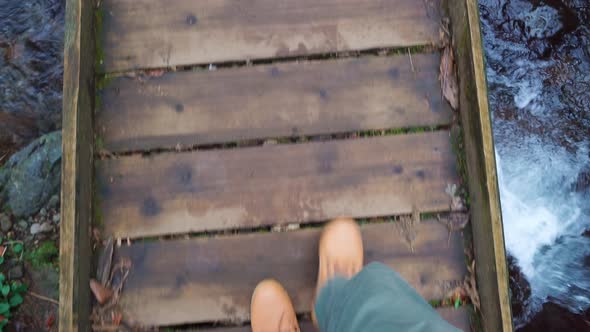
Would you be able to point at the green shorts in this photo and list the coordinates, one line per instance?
(376, 299)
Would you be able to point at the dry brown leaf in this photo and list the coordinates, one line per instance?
(101, 293)
(116, 317)
(448, 79)
(155, 72)
(470, 286)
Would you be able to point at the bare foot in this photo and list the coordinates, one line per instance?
(271, 309)
(341, 253)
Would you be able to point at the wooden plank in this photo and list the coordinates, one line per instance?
(287, 99)
(211, 279)
(457, 317)
(220, 189)
(488, 234)
(76, 182)
(148, 33)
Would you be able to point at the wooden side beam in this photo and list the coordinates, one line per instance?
(76, 196)
(488, 233)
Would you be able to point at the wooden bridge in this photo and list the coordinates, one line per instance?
(225, 133)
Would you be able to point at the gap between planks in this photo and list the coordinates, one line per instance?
(172, 193)
(211, 279)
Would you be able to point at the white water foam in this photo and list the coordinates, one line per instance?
(543, 216)
(543, 220)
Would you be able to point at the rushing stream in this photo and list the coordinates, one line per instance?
(31, 70)
(538, 68)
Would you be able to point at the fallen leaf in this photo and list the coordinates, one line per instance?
(2, 251)
(50, 321)
(155, 72)
(101, 293)
(448, 79)
(105, 260)
(116, 318)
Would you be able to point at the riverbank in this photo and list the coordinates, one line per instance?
(31, 70)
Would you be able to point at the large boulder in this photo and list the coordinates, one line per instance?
(32, 175)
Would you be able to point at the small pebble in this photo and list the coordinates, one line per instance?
(56, 218)
(35, 228)
(43, 212)
(46, 227)
(22, 224)
(41, 228)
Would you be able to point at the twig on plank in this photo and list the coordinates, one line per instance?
(44, 298)
(411, 62)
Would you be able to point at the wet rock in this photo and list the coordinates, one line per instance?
(542, 22)
(16, 272)
(554, 318)
(32, 175)
(520, 290)
(5, 223)
(583, 181)
(31, 78)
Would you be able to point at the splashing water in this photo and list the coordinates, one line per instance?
(539, 84)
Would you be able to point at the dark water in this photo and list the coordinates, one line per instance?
(31, 68)
(538, 67)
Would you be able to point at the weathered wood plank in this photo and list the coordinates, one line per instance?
(288, 99)
(457, 317)
(220, 189)
(486, 216)
(76, 182)
(211, 279)
(147, 33)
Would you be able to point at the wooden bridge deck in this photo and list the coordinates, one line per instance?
(199, 167)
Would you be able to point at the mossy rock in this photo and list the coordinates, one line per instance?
(32, 175)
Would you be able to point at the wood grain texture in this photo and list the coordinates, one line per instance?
(457, 317)
(488, 238)
(220, 189)
(151, 33)
(211, 279)
(286, 99)
(76, 182)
